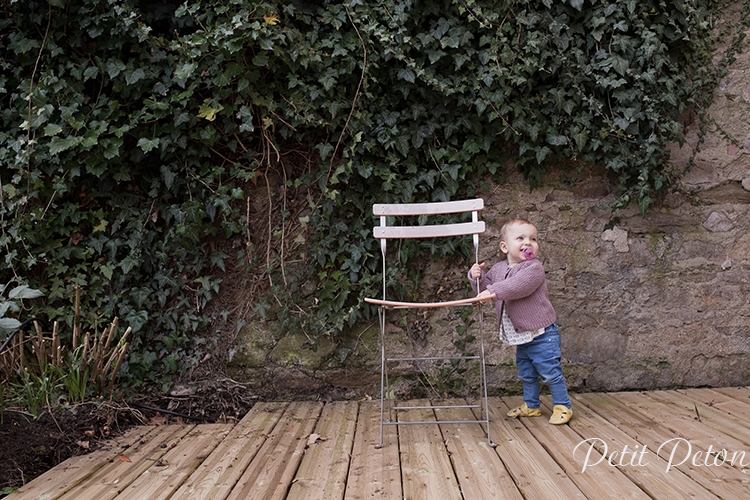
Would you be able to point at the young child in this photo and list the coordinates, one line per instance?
(527, 318)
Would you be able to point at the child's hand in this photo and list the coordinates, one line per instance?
(476, 271)
(485, 293)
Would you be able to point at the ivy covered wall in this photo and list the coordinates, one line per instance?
(148, 149)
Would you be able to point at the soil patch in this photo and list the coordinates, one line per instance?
(31, 446)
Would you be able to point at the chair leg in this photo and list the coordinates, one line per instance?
(484, 377)
(381, 315)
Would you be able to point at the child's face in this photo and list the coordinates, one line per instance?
(520, 243)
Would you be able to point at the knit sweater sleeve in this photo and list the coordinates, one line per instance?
(496, 273)
(520, 283)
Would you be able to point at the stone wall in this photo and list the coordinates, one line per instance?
(642, 302)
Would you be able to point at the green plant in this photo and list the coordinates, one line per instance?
(75, 377)
(74, 369)
(35, 391)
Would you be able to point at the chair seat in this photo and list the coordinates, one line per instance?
(450, 303)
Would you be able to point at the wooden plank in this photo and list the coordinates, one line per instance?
(324, 467)
(270, 473)
(76, 470)
(480, 472)
(432, 208)
(561, 440)
(218, 474)
(724, 482)
(741, 396)
(425, 467)
(117, 475)
(650, 475)
(536, 474)
(167, 474)
(374, 473)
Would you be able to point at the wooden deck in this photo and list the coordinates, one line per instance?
(692, 443)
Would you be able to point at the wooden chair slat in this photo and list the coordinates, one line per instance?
(434, 208)
(429, 231)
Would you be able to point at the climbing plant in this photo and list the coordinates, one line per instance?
(147, 149)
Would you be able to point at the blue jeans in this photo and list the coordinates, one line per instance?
(540, 358)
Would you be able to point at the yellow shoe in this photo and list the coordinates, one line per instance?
(560, 415)
(524, 411)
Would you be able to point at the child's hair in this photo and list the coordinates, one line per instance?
(510, 222)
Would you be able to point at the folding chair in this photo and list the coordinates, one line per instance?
(384, 232)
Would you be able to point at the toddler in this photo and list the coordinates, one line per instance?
(527, 318)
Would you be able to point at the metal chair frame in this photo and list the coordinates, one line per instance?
(384, 232)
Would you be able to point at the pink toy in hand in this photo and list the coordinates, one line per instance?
(528, 253)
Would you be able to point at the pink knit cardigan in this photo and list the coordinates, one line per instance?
(523, 289)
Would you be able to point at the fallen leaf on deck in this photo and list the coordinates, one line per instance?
(313, 438)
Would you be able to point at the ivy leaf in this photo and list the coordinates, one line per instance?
(449, 41)
(52, 129)
(115, 67)
(136, 320)
(148, 144)
(223, 80)
(557, 140)
(208, 111)
(90, 72)
(324, 149)
(620, 64)
(23, 45)
(452, 170)
(58, 145)
(581, 139)
(271, 18)
(107, 271)
(183, 72)
(260, 60)
(132, 77)
(623, 123)
(328, 82)
(168, 176)
(542, 153)
(245, 114)
(111, 147)
(102, 226)
(181, 118)
(576, 4)
(406, 74)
